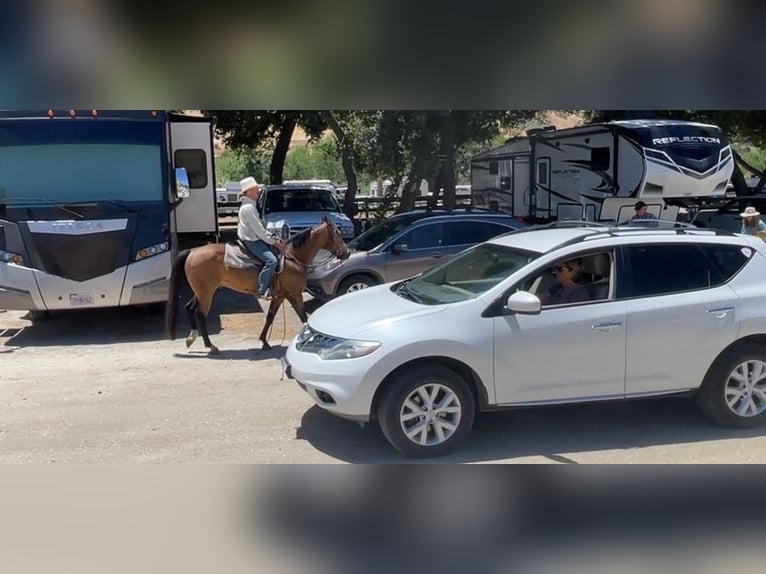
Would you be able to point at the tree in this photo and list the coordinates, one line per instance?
(250, 129)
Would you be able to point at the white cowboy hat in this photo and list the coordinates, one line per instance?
(749, 212)
(246, 184)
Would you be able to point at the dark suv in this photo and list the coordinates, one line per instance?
(406, 245)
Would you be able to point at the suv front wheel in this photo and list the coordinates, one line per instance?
(734, 390)
(426, 411)
(355, 283)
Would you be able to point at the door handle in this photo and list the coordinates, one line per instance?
(607, 325)
(437, 255)
(721, 312)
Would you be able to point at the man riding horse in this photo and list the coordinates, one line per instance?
(256, 239)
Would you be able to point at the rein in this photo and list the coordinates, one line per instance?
(311, 267)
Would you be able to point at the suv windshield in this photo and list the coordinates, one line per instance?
(468, 275)
(382, 231)
(300, 199)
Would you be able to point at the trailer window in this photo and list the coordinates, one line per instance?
(195, 162)
(600, 159)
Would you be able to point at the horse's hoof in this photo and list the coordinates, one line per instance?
(214, 350)
(191, 338)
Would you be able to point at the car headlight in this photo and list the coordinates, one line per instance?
(333, 263)
(332, 348)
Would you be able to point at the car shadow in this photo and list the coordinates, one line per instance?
(557, 434)
(255, 354)
(123, 324)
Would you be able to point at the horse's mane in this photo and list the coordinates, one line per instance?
(299, 240)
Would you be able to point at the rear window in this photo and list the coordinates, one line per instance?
(300, 200)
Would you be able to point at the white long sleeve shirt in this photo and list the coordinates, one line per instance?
(250, 227)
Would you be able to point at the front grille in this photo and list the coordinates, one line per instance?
(81, 257)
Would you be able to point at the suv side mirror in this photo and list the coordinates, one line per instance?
(182, 183)
(523, 303)
(400, 248)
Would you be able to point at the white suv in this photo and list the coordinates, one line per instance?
(651, 311)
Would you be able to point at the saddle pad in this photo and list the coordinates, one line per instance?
(238, 259)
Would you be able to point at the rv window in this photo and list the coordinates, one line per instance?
(542, 173)
(600, 159)
(195, 162)
(493, 168)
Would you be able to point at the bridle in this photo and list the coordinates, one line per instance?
(312, 266)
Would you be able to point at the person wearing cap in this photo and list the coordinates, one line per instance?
(641, 212)
(253, 234)
(752, 224)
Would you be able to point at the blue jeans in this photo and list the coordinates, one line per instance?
(263, 251)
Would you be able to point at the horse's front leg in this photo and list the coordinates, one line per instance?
(273, 307)
(297, 303)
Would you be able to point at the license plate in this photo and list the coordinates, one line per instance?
(286, 374)
(80, 299)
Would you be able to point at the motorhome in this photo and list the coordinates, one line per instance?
(95, 203)
(554, 174)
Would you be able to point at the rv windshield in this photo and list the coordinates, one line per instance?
(74, 161)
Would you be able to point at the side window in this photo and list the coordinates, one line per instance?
(600, 158)
(582, 279)
(464, 232)
(666, 269)
(195, 162)
(728, 258)
(423, 237)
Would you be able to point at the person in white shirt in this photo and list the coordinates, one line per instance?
(253, 234)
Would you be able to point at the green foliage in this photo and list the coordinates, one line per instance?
(239, 163)
(319, 160)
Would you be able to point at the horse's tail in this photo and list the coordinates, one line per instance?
(177, 275)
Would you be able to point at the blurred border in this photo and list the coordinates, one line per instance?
(654, 54)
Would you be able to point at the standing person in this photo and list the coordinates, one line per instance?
(752, 224)
(253, 234)
(641, 212)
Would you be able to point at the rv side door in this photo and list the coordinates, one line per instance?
(192, 148)
(542, 187)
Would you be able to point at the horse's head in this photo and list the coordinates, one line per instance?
(333, 239)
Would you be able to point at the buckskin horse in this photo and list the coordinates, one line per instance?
(205, 271)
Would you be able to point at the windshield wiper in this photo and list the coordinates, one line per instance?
(406, 293)
(114, 202)
(48, 203)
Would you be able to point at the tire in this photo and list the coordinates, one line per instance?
(405, 388)
(738, 376)
(36, 316)
(355, 283)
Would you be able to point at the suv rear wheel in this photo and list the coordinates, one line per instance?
(734, 391)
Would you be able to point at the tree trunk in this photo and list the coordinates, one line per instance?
(447, 159)
(761, 174)
(276, 171)
(347, 161)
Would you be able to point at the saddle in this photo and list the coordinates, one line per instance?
(237, 256)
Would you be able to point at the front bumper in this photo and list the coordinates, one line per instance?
(341, 387)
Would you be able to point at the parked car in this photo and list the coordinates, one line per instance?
(668, 311)
(405, 245)
(301, 206)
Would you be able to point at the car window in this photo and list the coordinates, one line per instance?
(573, 280)
(728, 258)
(470, 232)
(300, 200)
(382, 232)
(666, 269)
(467, 275)
(423, 237)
